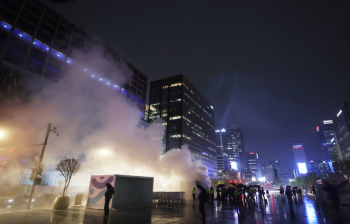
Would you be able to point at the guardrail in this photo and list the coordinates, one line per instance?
(170, 198)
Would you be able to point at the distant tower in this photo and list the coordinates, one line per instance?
(325, 132)
(299, 158)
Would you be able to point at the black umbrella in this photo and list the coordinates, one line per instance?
(200, 187)
(220, 185)
(295, 187)
(329, 189)
(240, 185)
(256, 186)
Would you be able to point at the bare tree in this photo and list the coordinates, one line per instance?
(68, 169)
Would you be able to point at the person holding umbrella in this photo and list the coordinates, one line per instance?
(203, 198)
(333, 196)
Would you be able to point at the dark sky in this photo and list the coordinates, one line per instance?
(275, 69)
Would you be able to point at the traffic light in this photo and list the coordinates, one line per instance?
(39, 171)
(235, 181)
(240, 181)
(230, 181)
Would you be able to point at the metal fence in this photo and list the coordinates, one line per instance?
(170, 198)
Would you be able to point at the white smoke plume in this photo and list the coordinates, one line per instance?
(99, 127)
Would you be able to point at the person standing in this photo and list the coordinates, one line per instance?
(194, 193)
(108, 195)
(281, 191)
(217, 193)
(289, 194)
(203, 198)
(211, 193)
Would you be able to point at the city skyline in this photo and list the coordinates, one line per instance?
(276, 92)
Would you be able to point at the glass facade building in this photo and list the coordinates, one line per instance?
(36, 47)
(299, 158)
(325, 132)
(230, 141)
(342, 130)
(253, 164)
(188, 117)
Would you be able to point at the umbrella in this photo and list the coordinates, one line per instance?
(256, 186)
(240, 185)
(220, 185)
(295, 187)
(329, 189)
(200, 187)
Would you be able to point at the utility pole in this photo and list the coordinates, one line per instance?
(38, 166)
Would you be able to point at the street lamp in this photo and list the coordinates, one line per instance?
(3, 134)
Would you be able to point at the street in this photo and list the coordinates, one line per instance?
(276, 211)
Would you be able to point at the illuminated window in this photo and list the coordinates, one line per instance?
(165, 87)
(175, 118)
(175, 136)
(175, 84)
(164, 115)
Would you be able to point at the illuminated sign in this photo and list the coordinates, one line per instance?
(317, 128)
(253, 179)
(223, 130)
(332, 140)
(311, 161)
(217, 130)
(339, 113)
(211, 107)
(263, 179)
(324, 144)
(256, 155)
(204, 153)
(234, 165)
(328, 122)
(302, 168)
(251, 153)
(297, 146)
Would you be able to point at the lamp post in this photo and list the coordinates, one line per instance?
(38, 166)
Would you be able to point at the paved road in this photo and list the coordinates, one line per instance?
(305, 210)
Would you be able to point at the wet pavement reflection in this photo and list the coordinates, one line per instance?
(278, 210)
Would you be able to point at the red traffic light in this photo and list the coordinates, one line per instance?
(235, 181)
(230, 181)
(240, 181)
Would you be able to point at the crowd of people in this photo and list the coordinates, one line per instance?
(238, 195)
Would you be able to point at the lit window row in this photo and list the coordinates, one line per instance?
(60, 56)
(175, 84)
(175, 118)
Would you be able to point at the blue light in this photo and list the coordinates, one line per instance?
(92, 75)
(100, 79)
(107, 83)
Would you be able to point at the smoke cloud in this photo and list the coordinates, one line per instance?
(98, 126)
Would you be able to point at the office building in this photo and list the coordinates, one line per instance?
(267, 171)
(313, 166)
(299, 158)
(223, 164)
(342, 129)
(36, 48)
(230, 140)
(253, 164)
(323, 170)
(325, 132)
(188, 117)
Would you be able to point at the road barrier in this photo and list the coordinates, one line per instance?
(170, 198)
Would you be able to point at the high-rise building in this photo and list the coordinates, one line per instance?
(253, 164)
(325, 132)
(223, 164)
(267, 171)
(188, 117)
(342, 129)
(313, 167)
(299, 158)
(36, 48)
(230, 140)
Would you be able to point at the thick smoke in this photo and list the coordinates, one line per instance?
(100, 127)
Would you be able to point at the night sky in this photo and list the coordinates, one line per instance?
(274, 69)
